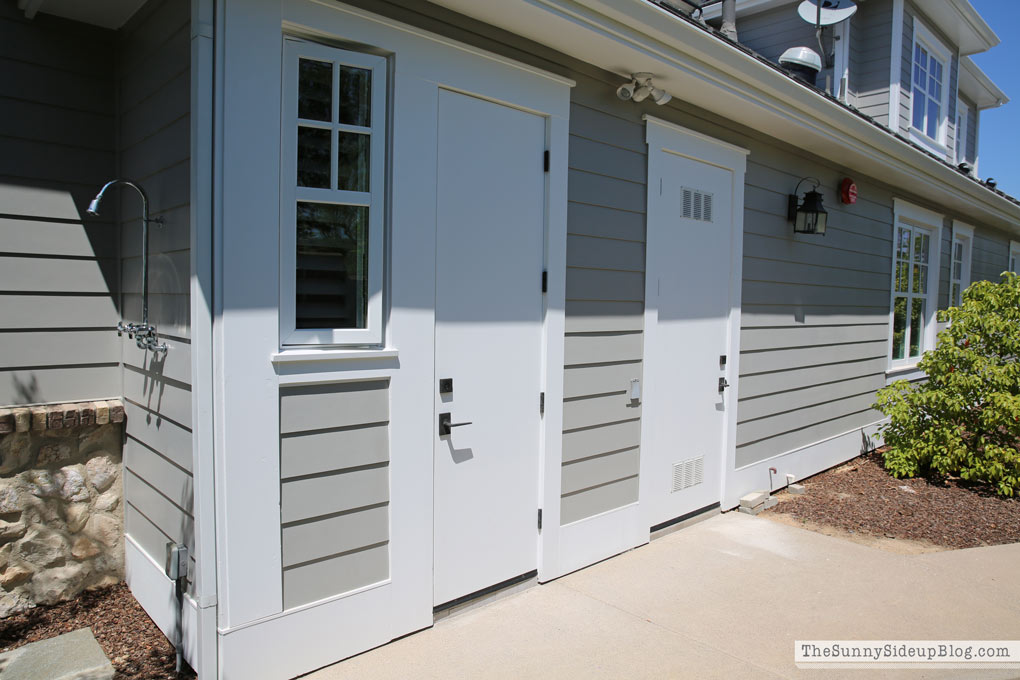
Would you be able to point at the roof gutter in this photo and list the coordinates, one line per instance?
(698, 66)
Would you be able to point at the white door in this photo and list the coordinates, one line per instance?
(687, 317)
(490, 214)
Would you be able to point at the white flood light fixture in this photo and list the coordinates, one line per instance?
(640, 88)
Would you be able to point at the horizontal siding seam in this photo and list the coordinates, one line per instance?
(336, 471)
(61, 145)
(602, 364)
(147, 519)
(597, 486)
(161, 88)
(599, 455)
(606, 207)
(593, 427)
(159, 415)
(137, 476)
(815, 285)
(158, 453)
(593, 396)
(331, 515)
(786, 239)
(297, 565)
(798, 429)
(784, 348)
(101, 364)
(811, 405)
(822, 365)
(801, 388)
(169, 381)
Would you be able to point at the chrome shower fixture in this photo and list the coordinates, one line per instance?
(144, 333)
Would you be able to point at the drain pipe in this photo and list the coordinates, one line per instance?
(729, 19)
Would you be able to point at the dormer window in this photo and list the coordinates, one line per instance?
(929, 89)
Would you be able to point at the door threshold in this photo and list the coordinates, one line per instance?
(685, 520)
(485, 596)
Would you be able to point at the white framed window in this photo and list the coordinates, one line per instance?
(332, 196)
(929, 87)
(959, 262)
(914, 290)
(961, 131)
(1014, 257)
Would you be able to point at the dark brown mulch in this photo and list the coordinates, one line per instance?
(132, 642)
(860, 496)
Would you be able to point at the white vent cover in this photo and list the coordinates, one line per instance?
(697, 205)
(688, 473)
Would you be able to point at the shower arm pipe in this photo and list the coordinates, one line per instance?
(94, 210)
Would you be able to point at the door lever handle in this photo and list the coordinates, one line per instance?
(723, 384)
(446, 424)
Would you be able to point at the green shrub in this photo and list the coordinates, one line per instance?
(965, 419)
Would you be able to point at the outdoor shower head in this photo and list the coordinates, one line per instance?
(93, 208)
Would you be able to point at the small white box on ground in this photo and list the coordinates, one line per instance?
(770, 502)
(797, 489)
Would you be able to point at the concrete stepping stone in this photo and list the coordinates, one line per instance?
(71, 656)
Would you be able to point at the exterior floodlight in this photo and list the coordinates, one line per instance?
(640, 88)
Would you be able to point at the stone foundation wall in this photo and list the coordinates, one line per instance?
(61, 502)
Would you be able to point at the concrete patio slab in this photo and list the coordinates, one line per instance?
(71, 656)
(724, 598)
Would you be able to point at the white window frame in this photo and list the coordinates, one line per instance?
(964, 235)
(916, 218)
(934, 47)
(960, 133)
(291, 194)
(1013, 263)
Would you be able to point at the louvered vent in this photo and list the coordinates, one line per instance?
(697, 205)
(688, 473)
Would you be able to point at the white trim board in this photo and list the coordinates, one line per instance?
(895, 66)
(801, 463)
(156, 593)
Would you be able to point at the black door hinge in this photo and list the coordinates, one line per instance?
(541, 403)
(545, 160)
(545, 282)
(540, 519)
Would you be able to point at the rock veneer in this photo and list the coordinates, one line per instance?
(61, 502)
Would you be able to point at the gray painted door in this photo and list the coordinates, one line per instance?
(490, 213)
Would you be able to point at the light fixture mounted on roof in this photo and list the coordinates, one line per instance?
(810, 216)
(640, 88)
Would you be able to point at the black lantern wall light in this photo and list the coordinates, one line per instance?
(809, 217)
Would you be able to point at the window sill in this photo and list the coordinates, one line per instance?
(910, 373)
(937, 148)
(290, 356)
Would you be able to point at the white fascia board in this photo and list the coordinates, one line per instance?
(978, 87)
(626, 36)
(962, 24)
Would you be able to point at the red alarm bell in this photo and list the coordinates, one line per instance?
(848, 191)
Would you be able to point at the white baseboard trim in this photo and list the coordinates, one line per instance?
(587, 541)
(304, 640)
(155, 592)
(801, 463)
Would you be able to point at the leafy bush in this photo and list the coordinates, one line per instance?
(965, 419)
